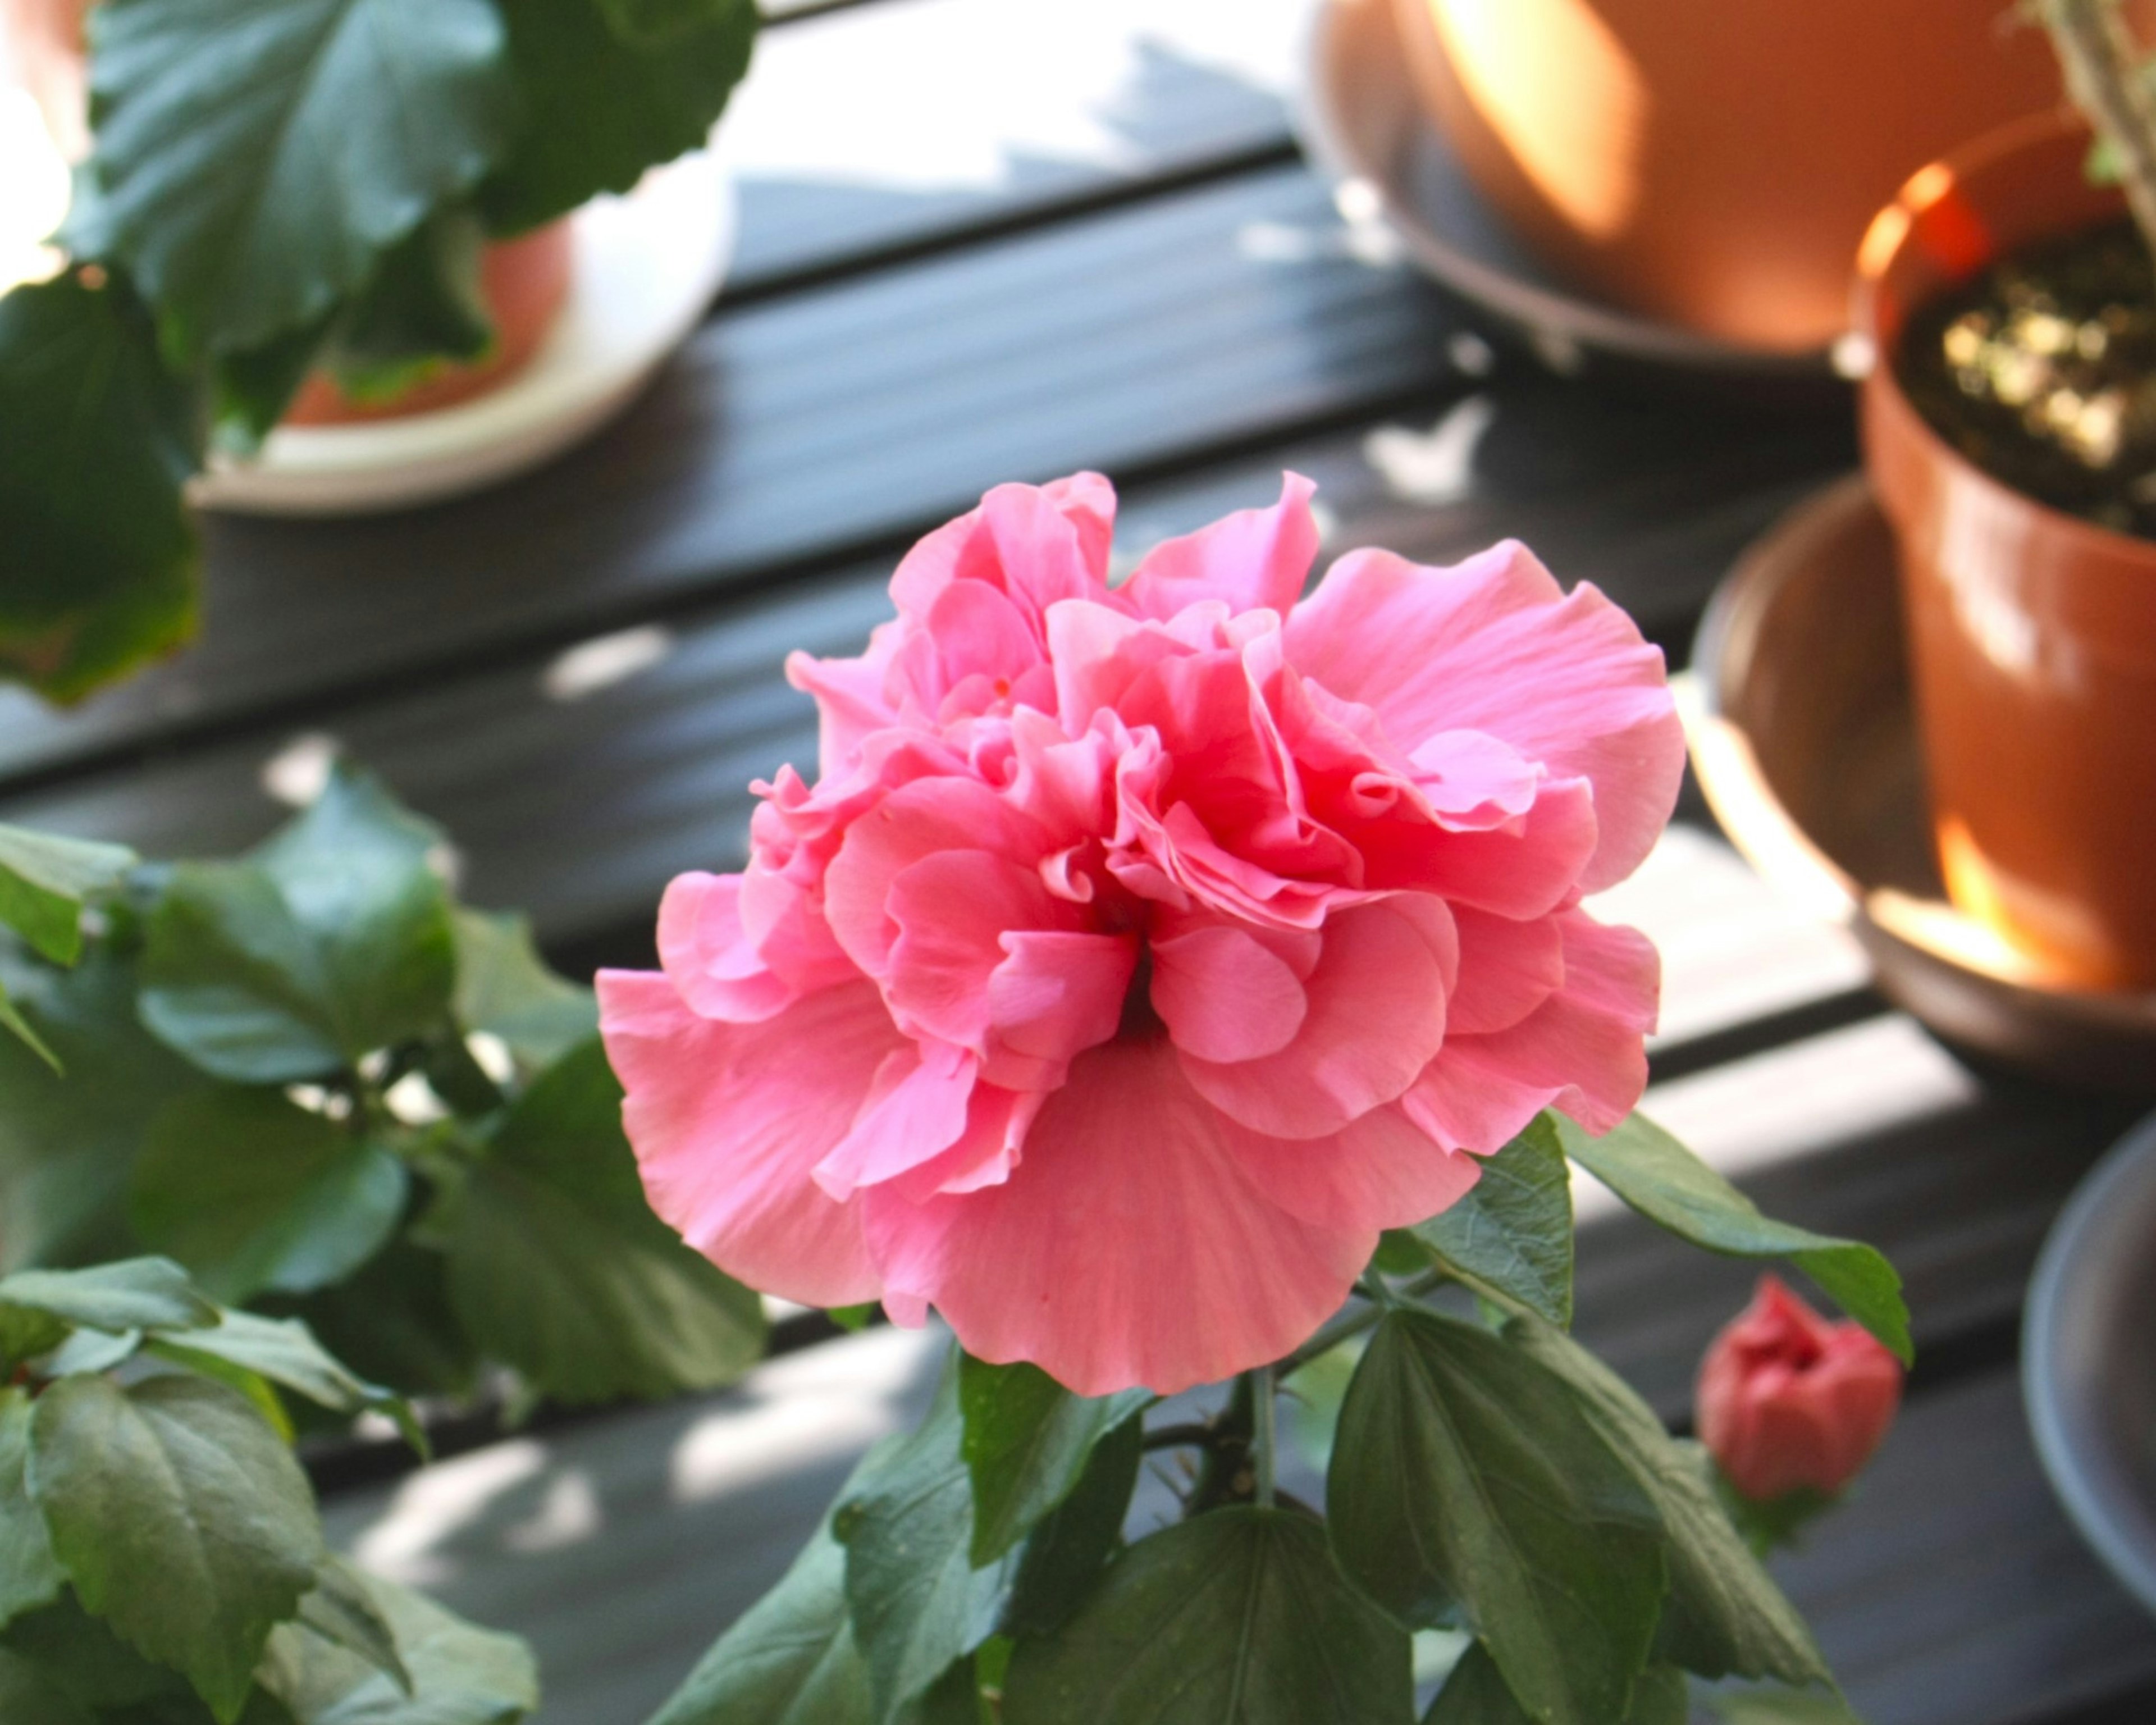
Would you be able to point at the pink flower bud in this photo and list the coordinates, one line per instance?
(1788, 1401)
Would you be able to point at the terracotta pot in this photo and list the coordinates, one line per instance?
(1713, 162)
(525, 282)
(2032, 631)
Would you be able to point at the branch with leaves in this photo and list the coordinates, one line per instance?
(274, 189)
(331, 1091)
(161, 1556)
(1488, 1479)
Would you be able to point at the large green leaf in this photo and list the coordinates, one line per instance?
(1027, 1441)
(96, 438)
(504, 988)
(424, 307)
(1725, 1617)
(256, 157)
(790, 1660)
(1064, 1555)
(30, 1575)
(284, 1352)
(1476, 1694)
(250, 1192)
(44, 880)
(1238, 1617)
(557, 1266)
(80, 1656)
(610, 90)
(333, 940)
(67, 1143)
(1672, 1188)
(459, 1674)
(38, 1307)
(1464, 1471)
(1513, 1230)
(181, 1518)
(916, 1599)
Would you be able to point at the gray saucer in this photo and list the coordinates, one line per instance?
(2088, 1360)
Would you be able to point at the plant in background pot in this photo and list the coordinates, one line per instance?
(320, 209)
(332, 1092)
(2009, 425)
(1709, 164)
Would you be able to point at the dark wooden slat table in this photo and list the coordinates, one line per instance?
(986, 239)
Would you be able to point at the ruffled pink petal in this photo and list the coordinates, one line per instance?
(1224, 996)
(728, 1120)
(991, 1145)
(1053, 996)
(1507, 970)
(913, 823)
(850, 696)
(1493, 644)
(915, 1111)
(1525, 868)
(1582, 1050)
(1378, 1171)
(1088, 502)
(1254, 559)
(1131, 1246)
(706, 953)
(952, 909)
(1377, 1014)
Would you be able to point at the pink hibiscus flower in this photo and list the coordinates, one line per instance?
(1142, 951)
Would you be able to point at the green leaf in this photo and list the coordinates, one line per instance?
(38, 1307)
(334, 940)
(1673, 1188)
(1064, 1555)
(460, 1674)
(28, 1696)
(1725, 1617)
(608, 96)
(790, 1660)
(249, 192)
(67, 1144)
(1476, 1694)
(557, 1266)
(343, 1611)
(423, 309)
(81, 1657)
(1464, 1471)
(96, 439)
(1238, 1617)
(1027, 1440)
(504, 989)
(250, 1192)
(284, 1352)
(393, 1323)
(44, 880)
(1513, 1230)
(181, 1519)
(251, 390)
(30, 1575)
(11, 1017)
(916, 1600)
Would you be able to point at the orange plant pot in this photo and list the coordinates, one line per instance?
(2033, 632)
(525, 282)
(1713, 162)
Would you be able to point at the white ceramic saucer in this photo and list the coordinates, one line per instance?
(647, 267)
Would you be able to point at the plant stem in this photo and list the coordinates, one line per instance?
(1350, 1324)
(1265, 1390)
(2102, 66)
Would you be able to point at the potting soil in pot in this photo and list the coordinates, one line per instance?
(2042, 371)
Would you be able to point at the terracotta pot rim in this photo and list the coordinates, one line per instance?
(1918, 193)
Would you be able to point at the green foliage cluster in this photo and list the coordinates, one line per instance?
(329, 1090)
(278, 185)
(1488, 1477)
(161, 1562)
